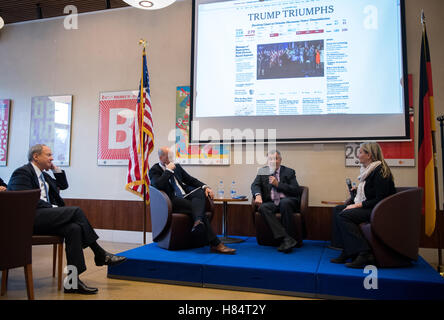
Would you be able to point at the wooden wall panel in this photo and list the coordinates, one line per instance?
(127, 215)
(113, 214)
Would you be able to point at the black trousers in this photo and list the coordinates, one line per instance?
(70, 223)
(194, 205)
(286, 208)
(336, 238)
(346, 233)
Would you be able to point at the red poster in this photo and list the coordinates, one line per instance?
(4, 130)
(116, 115)
(400, 153)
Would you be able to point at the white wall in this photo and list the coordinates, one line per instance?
(42, 58)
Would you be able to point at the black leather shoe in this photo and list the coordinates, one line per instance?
(82, 289)
(287, 245)
(362, 260)
(109, 260)
(341, 259)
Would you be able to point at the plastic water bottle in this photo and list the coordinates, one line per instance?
(220, 190)
(233, 189)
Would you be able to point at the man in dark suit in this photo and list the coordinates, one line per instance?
(176, 183)
(3, 185)
(52, 217)
(276, 189)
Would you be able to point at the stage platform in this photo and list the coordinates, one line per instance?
(305, 272)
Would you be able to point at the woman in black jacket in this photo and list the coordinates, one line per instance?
(375, 184)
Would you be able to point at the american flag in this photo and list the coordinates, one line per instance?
(142, 131)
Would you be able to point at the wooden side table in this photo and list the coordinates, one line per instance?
(225, 238)
(336, 203)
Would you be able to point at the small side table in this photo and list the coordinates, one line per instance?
(225, 238)
(336, 203)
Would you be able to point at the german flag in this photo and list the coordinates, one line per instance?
(426, 169)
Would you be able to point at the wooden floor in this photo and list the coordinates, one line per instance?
(45, 286)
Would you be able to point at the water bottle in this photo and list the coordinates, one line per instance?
(220, 190)
(233, 189)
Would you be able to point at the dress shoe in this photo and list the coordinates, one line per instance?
(221, 248)
(287, 245)
(362, 260)
(108, 259)
(341, 259)
(82, 289)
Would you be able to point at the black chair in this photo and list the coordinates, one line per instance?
(264, 236)
(17, 211)
(394, 229)
(172, 230)
(57, 250)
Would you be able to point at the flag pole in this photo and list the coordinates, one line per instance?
(435, 164)
(438, 218)
(142, 143)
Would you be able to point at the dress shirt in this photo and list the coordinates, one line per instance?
(45, 186)
(175, 179)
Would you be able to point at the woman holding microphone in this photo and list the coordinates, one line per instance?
(375, 183)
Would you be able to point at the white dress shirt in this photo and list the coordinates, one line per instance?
(175, 179)
(42, 183)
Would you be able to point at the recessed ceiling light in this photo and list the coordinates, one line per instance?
(149, 4)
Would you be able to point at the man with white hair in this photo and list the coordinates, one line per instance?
(275, 189)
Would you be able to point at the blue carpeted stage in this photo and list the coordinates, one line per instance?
(306, 271)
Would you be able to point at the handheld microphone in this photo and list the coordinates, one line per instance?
(349, 185)
(272, 170)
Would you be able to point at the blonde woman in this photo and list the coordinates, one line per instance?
(375, 183)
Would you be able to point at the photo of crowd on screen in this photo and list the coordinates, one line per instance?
(290, 60)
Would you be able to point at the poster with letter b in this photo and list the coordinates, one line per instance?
(116, 116)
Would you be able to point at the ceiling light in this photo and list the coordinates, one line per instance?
(149, 4)
(2, 23)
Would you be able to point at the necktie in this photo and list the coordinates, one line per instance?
(177, 191)
(275, 196)
(44, 185)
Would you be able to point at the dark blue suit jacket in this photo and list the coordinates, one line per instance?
(160, 179)
(288, 184)
(25, 178)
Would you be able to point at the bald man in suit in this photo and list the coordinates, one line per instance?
(176, 182)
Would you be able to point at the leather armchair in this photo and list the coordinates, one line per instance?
(172, 230)
(263, 233)
(17, 211)
(394, 229)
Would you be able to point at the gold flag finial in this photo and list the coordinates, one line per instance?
(143, 42)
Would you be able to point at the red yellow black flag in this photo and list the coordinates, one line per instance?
(426, 165)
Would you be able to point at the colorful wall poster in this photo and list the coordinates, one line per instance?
(186, 153)
(5, 111)
(51, 125)
(116, 115)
